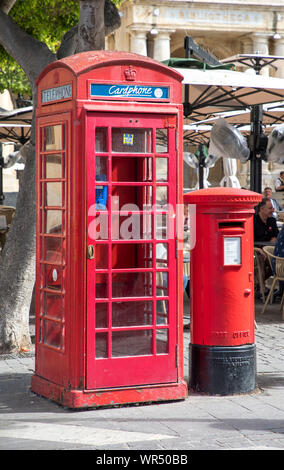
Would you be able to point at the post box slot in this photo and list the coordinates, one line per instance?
(232, 227)
(231, 224)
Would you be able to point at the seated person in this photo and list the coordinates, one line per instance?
(265, 230)
(186, 285)
(265, 226)
(279, 251)
(277, 207)
(279, 183)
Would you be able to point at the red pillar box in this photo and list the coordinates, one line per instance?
(109, 177)
(222, 349)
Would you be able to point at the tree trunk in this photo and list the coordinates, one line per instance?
(17, 262)
(17, 268)
(91, 27)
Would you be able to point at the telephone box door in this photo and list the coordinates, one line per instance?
(131, 266)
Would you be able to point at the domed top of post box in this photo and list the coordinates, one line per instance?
(221, 196)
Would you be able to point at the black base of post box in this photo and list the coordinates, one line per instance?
(222, 370)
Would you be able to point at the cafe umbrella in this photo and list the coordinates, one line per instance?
(211, 90)
(15, 128)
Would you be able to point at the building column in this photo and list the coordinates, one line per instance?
(162, 45)
(279, 51)
(247, 46)
(261, 46)
(110, 42)
(138, 42)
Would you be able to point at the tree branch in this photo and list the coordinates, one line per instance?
(91, 26)
(69, 44)
(31, 54)
(112, 18)
(98, 18)
(7, 5)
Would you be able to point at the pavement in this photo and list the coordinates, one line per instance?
(251, 421)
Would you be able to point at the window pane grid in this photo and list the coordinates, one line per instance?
(52, 235)
(112, 336)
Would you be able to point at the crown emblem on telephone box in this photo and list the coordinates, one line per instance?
(130, 73)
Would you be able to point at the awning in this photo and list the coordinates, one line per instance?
(199, 131)
(221, 90)
(15, 125)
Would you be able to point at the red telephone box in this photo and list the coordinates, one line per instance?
(109, 176)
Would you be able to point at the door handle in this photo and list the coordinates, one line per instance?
(247, 291)
(91, 252)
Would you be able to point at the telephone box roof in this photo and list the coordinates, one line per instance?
(85, 61)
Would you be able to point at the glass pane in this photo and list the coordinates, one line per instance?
(147, 169)
(52, 249)
(147, 198)
(162, 255)
(132, 284)
(162, 341)
(101, 256)
(98, 227)
(131, 140)
(132, 169)
(53, 138)
(132, 227)
(161, 169)
(161, 284)
(162, 227)
(101, 168)
(53, 276)
(132, 198)
(101, 285)
(53, 221)
(132, 343)
(101, 197)
(101, 345)
(161, 195)
(146, 227)
(132, 313)
(101, 139)
(52, 333)
(126, 255)
(162, 140)
(101, 315)
(53, 194)
(162, 312)
(53, 305)
(53, 166)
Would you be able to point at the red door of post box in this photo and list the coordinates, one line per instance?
(226, 273)
(131, 268)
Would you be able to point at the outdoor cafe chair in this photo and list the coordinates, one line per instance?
(258, 270)
(278, 276)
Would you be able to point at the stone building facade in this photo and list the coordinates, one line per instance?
(157, 29)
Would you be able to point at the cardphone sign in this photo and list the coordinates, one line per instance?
(129, 91)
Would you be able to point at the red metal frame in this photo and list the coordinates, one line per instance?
(150, 367)
(50, 324)
(67, 369)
